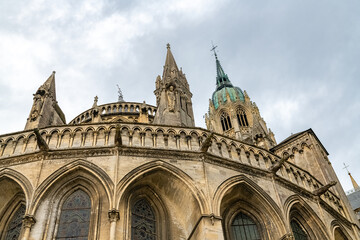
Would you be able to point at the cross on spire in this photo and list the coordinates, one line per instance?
(346, 167)
(214, 49)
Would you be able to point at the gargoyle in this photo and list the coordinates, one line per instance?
(320, 191)
(207, 143)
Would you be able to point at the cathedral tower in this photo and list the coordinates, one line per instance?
(173, 96)
(233, 114)
(45, 110)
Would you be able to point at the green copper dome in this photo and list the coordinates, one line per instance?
(224, 87)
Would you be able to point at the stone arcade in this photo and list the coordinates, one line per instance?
(128, 170)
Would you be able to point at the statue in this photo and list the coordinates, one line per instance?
(171, 99)
(38, 103)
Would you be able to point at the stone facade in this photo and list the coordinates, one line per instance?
(135, 171)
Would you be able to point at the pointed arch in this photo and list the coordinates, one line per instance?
(20, 179)
(170, 189)
(240, 195)
(78, 169)
(133, 175)
(339, 231)
(297, 209)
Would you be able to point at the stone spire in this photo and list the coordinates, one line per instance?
(45, 110)
(173, 96)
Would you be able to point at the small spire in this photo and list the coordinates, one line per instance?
(354, 183)
(168, 46)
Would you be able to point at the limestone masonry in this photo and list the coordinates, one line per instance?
(128, 170)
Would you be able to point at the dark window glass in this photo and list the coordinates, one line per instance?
(14, 228)
(242, 119)
(75, 217)
(143, 222)
(244, 228)
(225, 121)
(299, 233)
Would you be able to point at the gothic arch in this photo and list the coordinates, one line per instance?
(239, 194)
(296, 208)
(170, 186)
(133, 175)
(71, 172)
(20, 179)
(9, 212)
(337, 226)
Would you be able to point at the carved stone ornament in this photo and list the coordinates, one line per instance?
(113, 215)
(29, 221)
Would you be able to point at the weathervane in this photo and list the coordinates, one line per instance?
(120, 97)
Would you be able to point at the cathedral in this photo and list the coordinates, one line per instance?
(133, 171)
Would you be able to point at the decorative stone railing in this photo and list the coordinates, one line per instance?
(163, 137)
(115, 108)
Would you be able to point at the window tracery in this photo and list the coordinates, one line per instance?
(242, 118)
(14, 228)
(143, 221)
(225, 121)
(75, 217)
(244, 228)
(298, 231)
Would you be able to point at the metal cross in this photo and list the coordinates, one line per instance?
(213, 48)
(346, 167)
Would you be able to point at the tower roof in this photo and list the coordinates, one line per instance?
(170, 60)
(224, 87)
(49, 86)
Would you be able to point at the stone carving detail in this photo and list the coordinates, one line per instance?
(38, 103)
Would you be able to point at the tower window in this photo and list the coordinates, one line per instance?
(244, 228)
(242, 119)
(225, 121)
(143, 222)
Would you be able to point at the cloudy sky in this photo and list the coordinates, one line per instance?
(298, 60)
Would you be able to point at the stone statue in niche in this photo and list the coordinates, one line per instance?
(38, 103)
(171, 98)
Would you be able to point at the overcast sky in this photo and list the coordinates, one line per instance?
(298, 60)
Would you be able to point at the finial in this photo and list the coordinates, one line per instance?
(54, 72)
(213, 49)
(120, 97)
(168, 45)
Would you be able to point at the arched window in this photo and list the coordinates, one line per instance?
(298, 231)
(143, 221)
(241, 117)
(14, 227)
(75, 217)
(244, 228)
(339, 235)
(225, 121)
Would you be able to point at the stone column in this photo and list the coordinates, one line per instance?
(208, 227)
(28, 222)
(114, 216)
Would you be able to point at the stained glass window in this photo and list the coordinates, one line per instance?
(143, 221)
(75, 217)
(14, 228)
(244, 228)
(299, 233)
